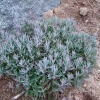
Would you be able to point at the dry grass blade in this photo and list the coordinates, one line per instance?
(17, 96)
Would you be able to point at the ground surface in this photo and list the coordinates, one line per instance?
(71, 8)
(12, 12)
(90, 89)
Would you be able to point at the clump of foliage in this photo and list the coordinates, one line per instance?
(48, 58)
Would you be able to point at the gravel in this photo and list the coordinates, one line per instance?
(14, 12)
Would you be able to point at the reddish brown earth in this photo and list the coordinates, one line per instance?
(8, 89)
(90, 23)
(71, 9)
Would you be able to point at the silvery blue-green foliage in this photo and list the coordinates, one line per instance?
(48, 58)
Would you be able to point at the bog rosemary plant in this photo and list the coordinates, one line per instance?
(48, 58)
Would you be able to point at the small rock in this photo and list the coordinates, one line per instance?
(64, 98)
(78, 97)
(58, 11)
(97, 1)
(84, 84)
(49, 13)
(84, 3)
(83, 11)
(86, 21)
(97, 42)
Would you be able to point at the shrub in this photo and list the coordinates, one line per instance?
(48, 58)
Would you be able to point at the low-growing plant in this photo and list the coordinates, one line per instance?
(54, 56)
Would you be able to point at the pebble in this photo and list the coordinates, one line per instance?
(83, 11)
(97, 1)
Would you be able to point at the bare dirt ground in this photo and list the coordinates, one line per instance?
(71, 9)
(90, 23)
(8, 89)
